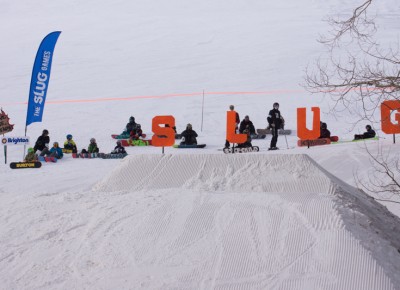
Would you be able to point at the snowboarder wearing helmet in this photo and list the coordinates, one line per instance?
(119, 148)
(232, 107)
(31, 156)
(130, 126)
(92, 148)
(189, 136)
(369, 134)
(136, 133)
(42, 142)
(324, 132)
(70, 144)
(275, 122)
(56, 151)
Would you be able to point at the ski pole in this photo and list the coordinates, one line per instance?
(286, 141)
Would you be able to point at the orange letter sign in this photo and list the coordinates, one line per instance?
(163, 136)
(231, 135)
(302, 132)
(386, 109)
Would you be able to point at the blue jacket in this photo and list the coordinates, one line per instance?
(58, 151)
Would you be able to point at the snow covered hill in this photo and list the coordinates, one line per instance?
(210, 220)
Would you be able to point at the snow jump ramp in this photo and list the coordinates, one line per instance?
(250, 221)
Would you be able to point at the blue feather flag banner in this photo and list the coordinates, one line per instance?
(41, 78)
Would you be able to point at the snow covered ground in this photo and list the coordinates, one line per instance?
(211, 220)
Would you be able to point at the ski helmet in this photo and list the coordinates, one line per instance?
(45, 132)
(30, 150)
(55, 144)
(231, 107)
(132, 119)
(138, 126)
(189, 126)
(368, 127)
(324, 126)
(119, 142)
(246, 117)
(92, 140)
(276, 105)
(69, 136)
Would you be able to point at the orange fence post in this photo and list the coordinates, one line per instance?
(231, 135)
(163, 136)
(386, 109)
(302, 132)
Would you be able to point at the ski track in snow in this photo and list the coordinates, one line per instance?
(141, 229)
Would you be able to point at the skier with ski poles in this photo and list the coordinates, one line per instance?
(275, 121)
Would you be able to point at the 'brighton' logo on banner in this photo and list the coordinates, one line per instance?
(15, 140)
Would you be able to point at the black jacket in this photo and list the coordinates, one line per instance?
(41, 143)
(130, 126)
(250, 125)
(325, 133)
(118, 149)
(274, 117)
(190, 137)
(369, 134)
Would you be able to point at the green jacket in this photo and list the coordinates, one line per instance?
(93, 148)
(31, 157)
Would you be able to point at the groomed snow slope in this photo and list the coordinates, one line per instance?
(247, 222)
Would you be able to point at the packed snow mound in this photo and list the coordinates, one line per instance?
(210, 172)
(249, 221)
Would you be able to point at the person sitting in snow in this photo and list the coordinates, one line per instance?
(248, 141)
(137, 133)
(70, 144)
(92, 148)
(247, 124)
(324, 132)
(189, 136)
(119, 149)
(130, 126)
(369, 134)
(54, 151)
(42, 142)
(31, 156)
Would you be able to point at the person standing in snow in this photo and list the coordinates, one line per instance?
(275, 122)
(232, 107)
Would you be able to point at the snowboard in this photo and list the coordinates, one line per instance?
(268, 131)
(21, 165)
(358, 140)
(242, 150)
(190, 146)
(313, 142)
(85, 155)
(123, 136)
(135, 142)
(68, 151)
(47, 159)
(112, 156)
(258, 136)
